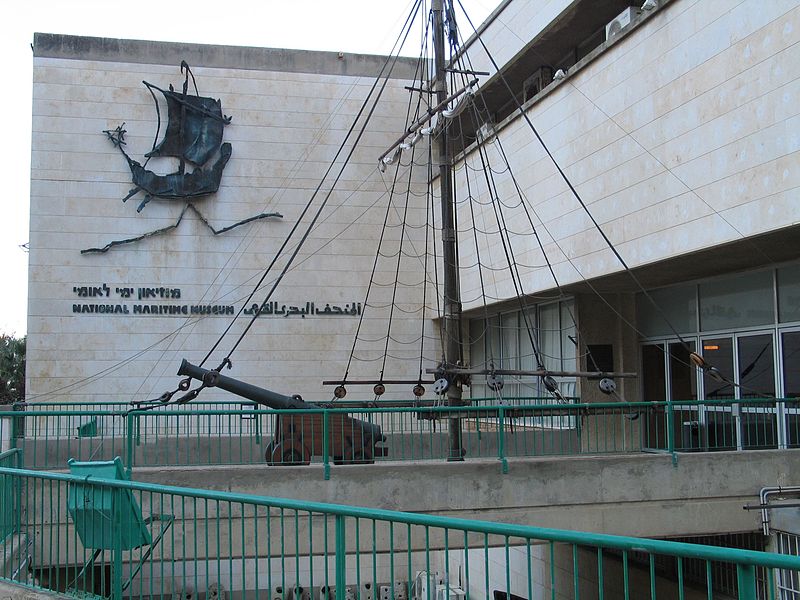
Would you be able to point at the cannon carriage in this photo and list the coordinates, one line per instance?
(300, 436)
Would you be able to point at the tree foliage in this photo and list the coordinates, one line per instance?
(12, 369)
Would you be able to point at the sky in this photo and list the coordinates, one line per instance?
(365, 26)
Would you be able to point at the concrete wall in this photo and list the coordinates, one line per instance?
(290, 112)
(529, 572)
(638, 495)
(641, 496)
(677, 137)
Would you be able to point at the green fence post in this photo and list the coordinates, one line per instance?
(17, 424)
(326, 434)
(129, 442)
(746, 581)
(116, 569)
(671, 433)
(501, 439)
(341, 558)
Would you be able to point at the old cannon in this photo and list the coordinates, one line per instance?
(300, 436)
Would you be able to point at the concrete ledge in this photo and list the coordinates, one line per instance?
(639, 495)
(51, 45)
(9, 591)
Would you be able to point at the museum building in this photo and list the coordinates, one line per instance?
(652, 214)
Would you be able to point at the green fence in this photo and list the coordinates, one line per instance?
(191, 436)
(83, 535)
(200, 435)
(9, 494)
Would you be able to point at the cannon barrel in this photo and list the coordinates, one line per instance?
(265, 397)
(245, 390)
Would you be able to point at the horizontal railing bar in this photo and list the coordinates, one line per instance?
(676, 404)
(9, 452)
(567, 408)
(733, 555)
(572, 408)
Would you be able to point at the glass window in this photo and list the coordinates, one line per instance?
(791, 364)
(678, 305)
(477, 343)
(493, 343)
(477, 355)
(653, 386)
(527, 360)
(509, 338)
(569, 345)
(791, 385)
(756, 380)
(720, 432)
(682, 373)
(653, 374)
(734, 302)
(756, 366)
(550, 336)
(718, 353)
(789, 294)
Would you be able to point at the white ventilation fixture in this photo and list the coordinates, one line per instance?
(486, 131)
(621, 21)
(541, 78)
(451, 592)
(419, 589)
(400, 591)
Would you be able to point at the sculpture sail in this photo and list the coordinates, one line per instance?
(194, 127)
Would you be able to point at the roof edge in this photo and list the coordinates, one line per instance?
(72, 47)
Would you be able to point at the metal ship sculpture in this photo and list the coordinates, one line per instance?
(194, 132)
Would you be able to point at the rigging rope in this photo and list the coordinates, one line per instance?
(695, 357)
(304, 237)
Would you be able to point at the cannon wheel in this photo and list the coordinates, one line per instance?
(268, 452)
(357, 455)
(289, 454)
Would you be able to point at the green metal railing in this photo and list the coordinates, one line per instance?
(9, 494)
(196, 435)
(251, 546)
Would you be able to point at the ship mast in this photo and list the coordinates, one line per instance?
(452, 298)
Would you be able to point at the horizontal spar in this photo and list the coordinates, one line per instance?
(536, 373)
(375, 381)
(427, 117)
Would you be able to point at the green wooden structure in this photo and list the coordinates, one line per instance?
(110, 519)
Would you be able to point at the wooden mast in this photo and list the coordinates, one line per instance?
(452, 297)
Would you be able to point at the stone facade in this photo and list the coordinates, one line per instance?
(678, 137)
(290, 112)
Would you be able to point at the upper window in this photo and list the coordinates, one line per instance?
(789, 294)
(742, 300)
(676, 305)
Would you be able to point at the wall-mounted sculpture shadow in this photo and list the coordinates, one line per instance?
(193, 135)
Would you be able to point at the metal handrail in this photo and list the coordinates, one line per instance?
(718, 553)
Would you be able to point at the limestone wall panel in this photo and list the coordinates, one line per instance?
(678, 137)
(286, 128)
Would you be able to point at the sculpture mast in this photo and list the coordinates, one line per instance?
(452, 299)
